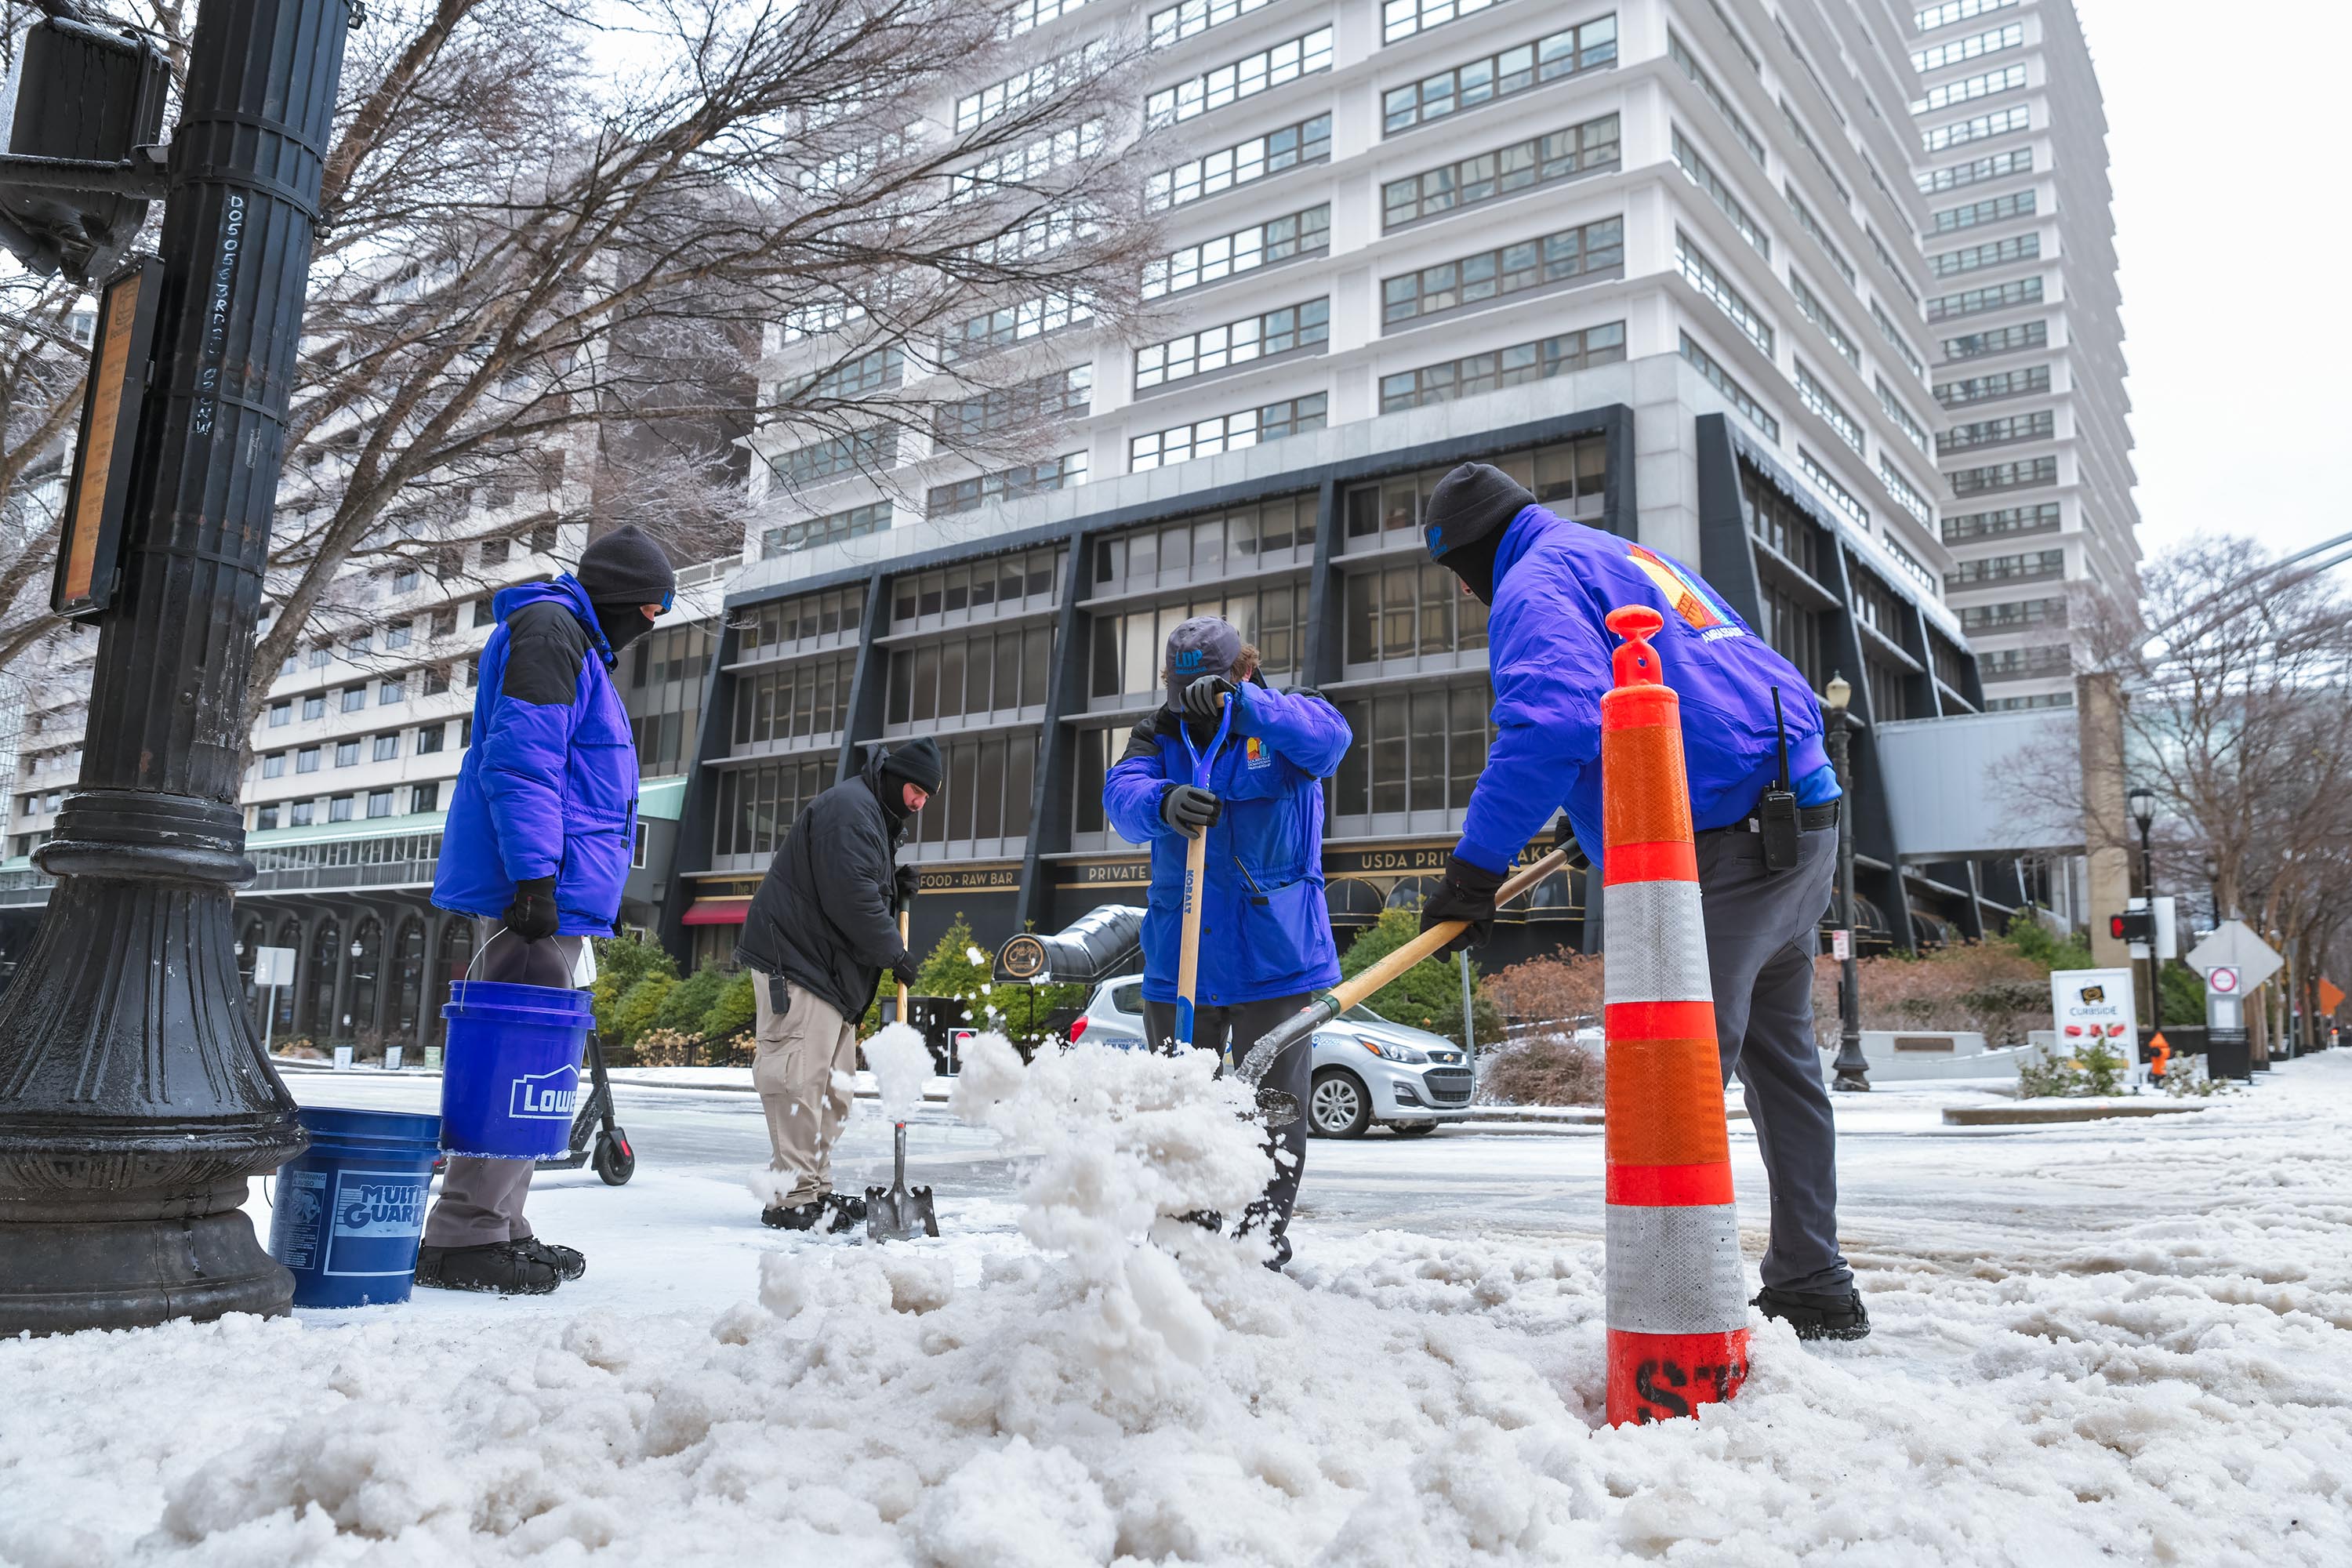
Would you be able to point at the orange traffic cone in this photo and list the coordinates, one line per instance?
(1678, 1298)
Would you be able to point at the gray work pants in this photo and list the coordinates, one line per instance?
(1760, 929)
(1239, 1027)
(481, 1200)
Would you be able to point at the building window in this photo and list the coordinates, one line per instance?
(391, 692)
(809, 697)
(1039, 81)
(1490, 78)
(1227, 432)
(2039, 426)
(1993, 209)
(1476, 374)
(1571, 478)
(386, 748)
(1983, 127)
(2030, 566)
(397, 635)
(2015, 615)
(1814, 232)
(444, 622)
(1991, 166)
(874, 517)
(1993, 253)
(1815, 396)
(436, 679)
(1837, 494)
(299, 814)
(1974, 47)
(314, 706)
(306, 761)
(1912, 429)
(2000, 341)
(1236, 80)
(1177, 22)
(339, 809)
(1681, 55)
(1703, 276)
(1595, 250)
(2041, 518)
(424, 797)
(1995, 297)
(1927, 19)
(1908, 496)
(1131, 647)
(1306, 233)
(758, 805)
(1405, 612)
(1007, 484)
(264, 818)
(273, 766)
(485, 614)
(1002, 672)
(428, 739)
(2006, 476)
(1290, 330)
(867, 451)
(2025, 663)
(1737, 395)
(2017, 383)
(1023, 168)
(1016, 323)
(1050, 397)
(357, 647)
(989, 785)
(1308, 141)
(355, 698)
(867, 373)
(1413, 751)
(1818, 313)
(1894, 338)
(2041, 700)
(1696, 170)
(347, 753)
(1782, 526)
(318, 655)
(404, 581)
(1582, 148)
(638, 851)
(281, 714)
(781, 621)
(1968, 89)
(379, 802)
(1239, 540)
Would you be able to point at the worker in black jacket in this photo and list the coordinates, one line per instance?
(817, 937)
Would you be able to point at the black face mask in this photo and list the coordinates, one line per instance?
(621, 624)
(890, 789)
(1475, 563)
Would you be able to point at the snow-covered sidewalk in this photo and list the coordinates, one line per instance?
(2120, 1342)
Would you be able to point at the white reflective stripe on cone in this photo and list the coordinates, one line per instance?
(1657, 943)
(1676, 1271)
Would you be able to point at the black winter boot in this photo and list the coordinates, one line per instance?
(799, 1216)
(565, 1260)
(848, 1211)
(1816, 1316)
(508, 1268)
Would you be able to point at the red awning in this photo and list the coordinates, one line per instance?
(717, 912)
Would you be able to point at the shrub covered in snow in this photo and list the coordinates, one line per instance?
(1542, 1069)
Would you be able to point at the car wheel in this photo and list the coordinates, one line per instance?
(1414, 1129)
(1339, 1106)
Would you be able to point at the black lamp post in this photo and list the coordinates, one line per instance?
(1852, 1069)
(2143, 812)
(135, 1101)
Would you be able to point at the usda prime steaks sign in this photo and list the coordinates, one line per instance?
(546, 1096)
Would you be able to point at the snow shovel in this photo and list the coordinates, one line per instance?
(1280, 1110)
(1196, 867)
(898, 1211)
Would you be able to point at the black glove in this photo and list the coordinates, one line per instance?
(1190, 809)
(1563, 836)
(904, 967)
(1200, 697)
(909, 881)
(1466, 894)
(531, 916)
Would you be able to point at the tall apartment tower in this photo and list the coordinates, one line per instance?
(1656, 257)
(2028, 343)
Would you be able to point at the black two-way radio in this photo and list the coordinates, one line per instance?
(1776, 813)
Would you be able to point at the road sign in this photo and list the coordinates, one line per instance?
(2331, 996)
(273, 966)
(2233, 945)
(2221, 980)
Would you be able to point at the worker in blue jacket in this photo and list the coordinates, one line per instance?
(1266, 935)
(1552, 583)
(542, 829)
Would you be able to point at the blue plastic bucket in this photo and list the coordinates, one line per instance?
(346, 1216)
(511, 1076)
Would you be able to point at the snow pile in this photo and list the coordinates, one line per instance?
(902, 1065)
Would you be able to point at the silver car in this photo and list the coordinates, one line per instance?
(1368, 1071)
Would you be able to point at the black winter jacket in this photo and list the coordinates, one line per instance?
(822, 917)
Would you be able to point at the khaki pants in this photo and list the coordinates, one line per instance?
(801, 1051)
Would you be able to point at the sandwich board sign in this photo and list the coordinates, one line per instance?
(2095, 1007)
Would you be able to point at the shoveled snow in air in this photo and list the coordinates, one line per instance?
(1081, 1378)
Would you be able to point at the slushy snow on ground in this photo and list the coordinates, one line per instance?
(1081, 1379)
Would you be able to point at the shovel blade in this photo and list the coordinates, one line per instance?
(900, 1214)
(1275, 1109)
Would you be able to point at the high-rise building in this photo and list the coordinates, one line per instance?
(1659, 257)
(2026, 339)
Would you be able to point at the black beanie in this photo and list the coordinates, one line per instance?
(1464, 521)
(916, 762)
(626, 566)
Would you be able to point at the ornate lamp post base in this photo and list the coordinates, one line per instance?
(129, 1274)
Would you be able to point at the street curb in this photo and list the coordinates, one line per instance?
(2026, 1115)
(930, 1097)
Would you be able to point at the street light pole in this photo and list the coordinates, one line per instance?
(1852, 1067)
(2143, 811)
(135, 1100)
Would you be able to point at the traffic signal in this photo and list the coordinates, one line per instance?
(83, 113)
(2132, 925)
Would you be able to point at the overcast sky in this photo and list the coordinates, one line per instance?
(2226, 148)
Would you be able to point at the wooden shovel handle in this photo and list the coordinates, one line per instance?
(902, 985)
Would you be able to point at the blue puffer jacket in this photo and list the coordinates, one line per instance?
(1265, 930)
(550, 787)
(1548, 648)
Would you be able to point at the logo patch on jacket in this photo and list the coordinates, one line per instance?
(1685, 593)
(1254, 750)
